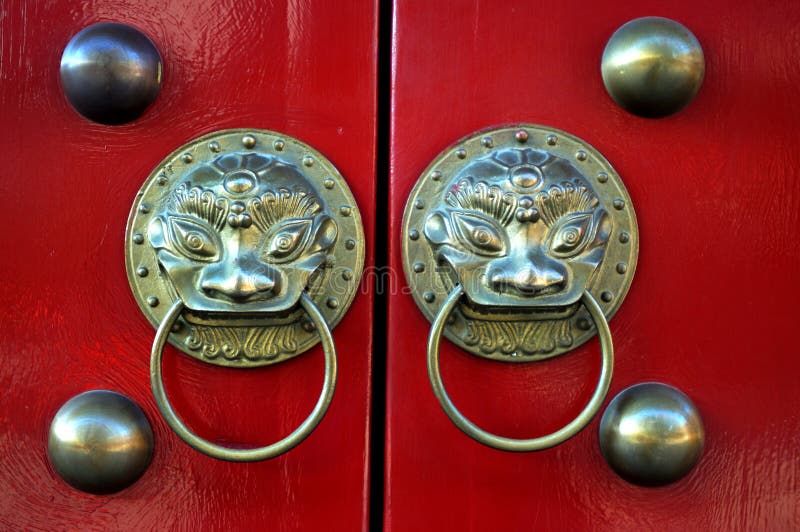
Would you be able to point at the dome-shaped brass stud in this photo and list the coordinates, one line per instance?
(651, 434)
(110, 72)
(653, 66)
(100, 442)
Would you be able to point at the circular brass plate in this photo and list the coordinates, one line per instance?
(518, 334)
(263, 338)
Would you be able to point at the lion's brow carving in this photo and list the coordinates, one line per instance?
(564, 198)
(272, 207)
(489, 199)
(553, 203)
(202, 204)
(266, 210)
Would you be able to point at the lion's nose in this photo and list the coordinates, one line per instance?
(529, 280)
(239, 286)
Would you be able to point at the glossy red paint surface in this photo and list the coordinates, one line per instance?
(712, 309)
(70, 324)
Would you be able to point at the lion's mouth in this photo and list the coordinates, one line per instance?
(522, 291)
(519, 314)
(242, 319)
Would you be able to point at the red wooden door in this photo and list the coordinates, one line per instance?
(70, 324)
(711, 307)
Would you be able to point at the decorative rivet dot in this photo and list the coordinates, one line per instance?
(138, 238)
(413, 234)
(187, 158)
(581, 155)
(332, 302)
(248, 141)
(345, 210)
(461, 153)
(144, 208)
(602, 177)
(429, 297)
(521, 136)
(624, 237)
(622, 267)
(619, 204)
(419, 204)
(214, 146)
(436, 175)
(487, 142)
(584, 324)
(152, 301)
(347, 274)
(142, 271)
(308, 326)
(328, 183)
(350, 243)
(162, 180)
(177, 326)
(451, 319)
(551, 140)
(279, 145)
(606, 296)
(308, 160)
(419, 267)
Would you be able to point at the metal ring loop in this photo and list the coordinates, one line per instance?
(511, 444)
(259, 453)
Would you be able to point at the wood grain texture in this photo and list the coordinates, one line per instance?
(70, 324)
(712, 307)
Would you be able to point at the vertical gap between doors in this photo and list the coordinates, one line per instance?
(381, 277)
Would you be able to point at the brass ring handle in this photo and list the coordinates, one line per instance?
(512, 444)
(244, 455)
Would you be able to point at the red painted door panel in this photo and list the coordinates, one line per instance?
(712, 306)
(70, 324)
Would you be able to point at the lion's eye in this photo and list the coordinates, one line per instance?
(570, 234)
(478, 234)
(284, 240)
(193, 238)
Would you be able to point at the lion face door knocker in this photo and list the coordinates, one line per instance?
(515, 241)
(244, 248)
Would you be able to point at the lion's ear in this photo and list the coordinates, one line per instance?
(436, 230)
(603, 223)
(155, 233)
(325, 234)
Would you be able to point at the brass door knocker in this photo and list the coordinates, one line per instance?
(244, 248)
(515, 241)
